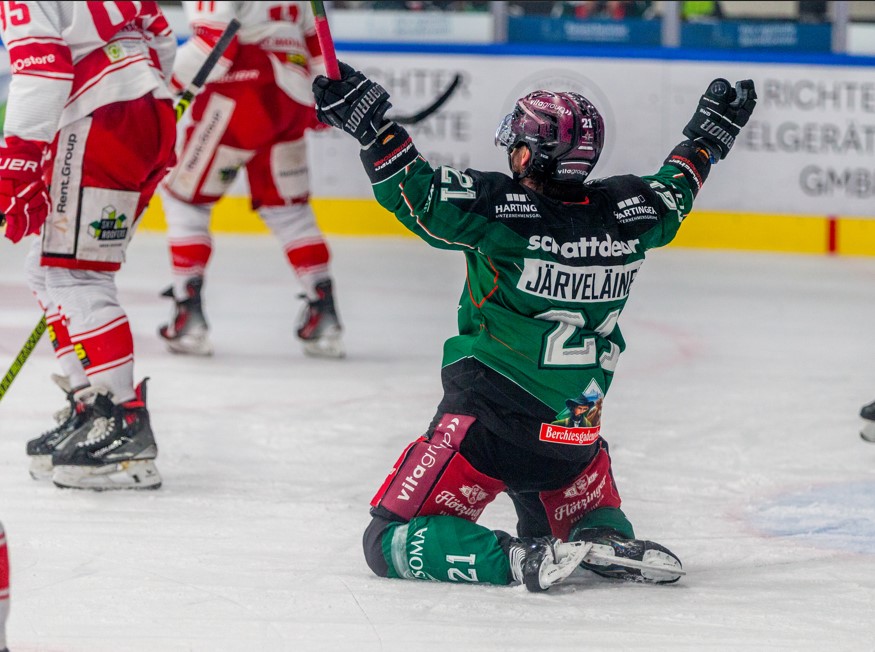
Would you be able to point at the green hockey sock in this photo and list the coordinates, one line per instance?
(445, 549)
(612, 517)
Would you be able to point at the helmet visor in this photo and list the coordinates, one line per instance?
(503, 135)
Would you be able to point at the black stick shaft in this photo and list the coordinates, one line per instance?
(212, 59)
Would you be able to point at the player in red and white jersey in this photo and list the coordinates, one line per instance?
(4, 589)
(89, 133)
(252, 114)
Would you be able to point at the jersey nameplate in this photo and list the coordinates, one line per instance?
(577, 284)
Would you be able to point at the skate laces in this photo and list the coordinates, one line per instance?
(101, 427)
(61, 417)
(104, 412)
(517, 557)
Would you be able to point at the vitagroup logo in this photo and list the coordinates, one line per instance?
(541, 104)
(517, 205)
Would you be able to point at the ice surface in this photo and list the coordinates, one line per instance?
(732, 419)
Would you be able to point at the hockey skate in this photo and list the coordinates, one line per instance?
(319, 329)
(614, 556)
(187, 331)
(868, 430)
(544, 562)
(118, 451)
(73, 422)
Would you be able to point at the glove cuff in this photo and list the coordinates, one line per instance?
(693, 161)
(391, 152)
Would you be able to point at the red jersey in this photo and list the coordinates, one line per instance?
(70, 58)
(276, 44)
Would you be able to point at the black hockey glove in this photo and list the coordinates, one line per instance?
(721, 114)
(353, 103)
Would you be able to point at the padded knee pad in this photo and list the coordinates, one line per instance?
(593, 489)
(431, 478)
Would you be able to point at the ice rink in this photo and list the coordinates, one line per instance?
(733, 422)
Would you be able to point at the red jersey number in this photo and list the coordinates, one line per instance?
(110, 17)
(284, 13)
(16, 13)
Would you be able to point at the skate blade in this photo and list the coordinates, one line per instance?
(327, 346)
(133, 474)
(656, 567)
(41, 467)
(190, 345)
(867, 433)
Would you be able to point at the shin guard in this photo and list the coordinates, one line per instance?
(445, 549)
(591, 490)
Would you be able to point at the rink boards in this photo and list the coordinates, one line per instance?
(799, 179)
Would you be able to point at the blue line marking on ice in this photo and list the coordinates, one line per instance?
(839, 516)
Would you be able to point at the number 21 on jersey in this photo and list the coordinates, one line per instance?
(565, 345)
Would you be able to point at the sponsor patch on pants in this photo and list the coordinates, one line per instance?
(556, 434)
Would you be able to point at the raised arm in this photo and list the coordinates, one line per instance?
(719, 117)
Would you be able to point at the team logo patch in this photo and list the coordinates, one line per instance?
(114, 52)
(110, 226)
(581, 485)
(227, 175)
(474, 493)
(556, 434)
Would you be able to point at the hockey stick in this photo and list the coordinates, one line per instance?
(200, 77)
(181, 107)
(23, 355)
(326, 43)
(431, 108)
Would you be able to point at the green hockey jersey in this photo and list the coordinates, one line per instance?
(547, 280)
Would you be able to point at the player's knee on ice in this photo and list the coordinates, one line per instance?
(372, 542)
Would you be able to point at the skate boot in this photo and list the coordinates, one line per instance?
(614, 556)
(545, 561)
(73, 421)
(187, 331)
(319, 329)
(868, 430)
(118, 451)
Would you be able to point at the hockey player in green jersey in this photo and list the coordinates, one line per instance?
(551, 258)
